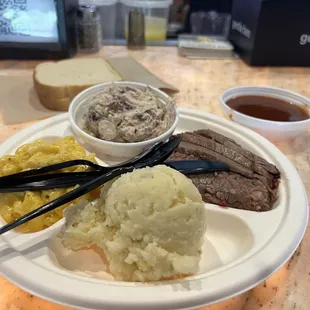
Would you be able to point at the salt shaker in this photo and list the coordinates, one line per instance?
(88, 29)
(136, 29)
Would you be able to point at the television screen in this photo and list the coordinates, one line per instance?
(28, 21)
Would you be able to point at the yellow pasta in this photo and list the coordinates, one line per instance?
(35, 155)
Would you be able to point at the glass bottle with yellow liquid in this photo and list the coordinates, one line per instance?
(156, 14)
(155, 28)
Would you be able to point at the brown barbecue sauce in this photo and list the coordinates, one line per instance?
(269, 108)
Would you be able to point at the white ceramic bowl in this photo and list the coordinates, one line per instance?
(272, 130)
(102, 148)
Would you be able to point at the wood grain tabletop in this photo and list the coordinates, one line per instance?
(200, 83)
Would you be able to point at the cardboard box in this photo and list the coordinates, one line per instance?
(271, 32)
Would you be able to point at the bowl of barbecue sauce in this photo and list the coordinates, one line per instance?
(275, 113)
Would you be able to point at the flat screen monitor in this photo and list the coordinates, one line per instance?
(37, 28)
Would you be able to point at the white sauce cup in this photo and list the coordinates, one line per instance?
(272, 130)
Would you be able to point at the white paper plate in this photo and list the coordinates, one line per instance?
(241, 248)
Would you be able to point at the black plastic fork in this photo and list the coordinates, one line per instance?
(19, 177)
(68, 179)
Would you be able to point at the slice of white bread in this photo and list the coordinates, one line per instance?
(57, 83)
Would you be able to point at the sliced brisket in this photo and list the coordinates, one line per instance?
(231, 144)
(229, 189)
(252, 182)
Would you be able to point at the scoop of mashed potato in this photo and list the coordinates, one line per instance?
(150, 224)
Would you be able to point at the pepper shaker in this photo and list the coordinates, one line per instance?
(136, 29)
(88, 29)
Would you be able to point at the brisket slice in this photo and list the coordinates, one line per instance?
(251, 183)
(238, 159)
(226, 153)
(201, 152)
(229, 189)
(231, 144)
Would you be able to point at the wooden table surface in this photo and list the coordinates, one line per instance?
(201, 82)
